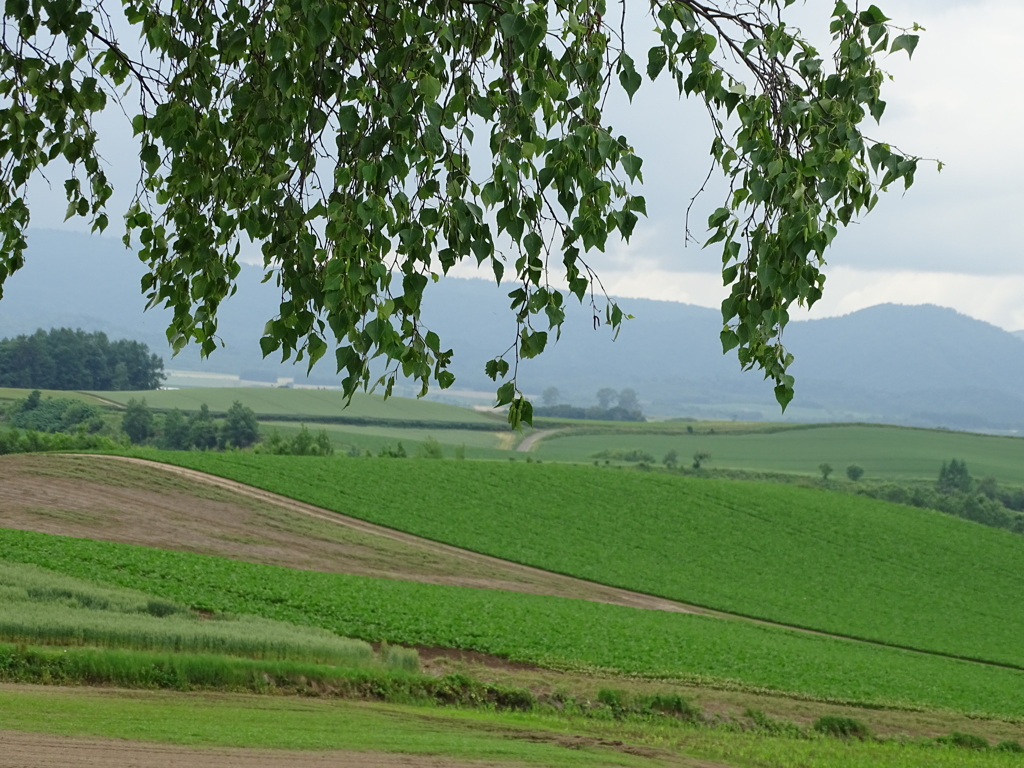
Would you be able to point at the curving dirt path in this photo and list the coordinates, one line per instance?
(531, 440)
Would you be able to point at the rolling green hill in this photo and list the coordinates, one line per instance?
(884, 452)
(831, 562)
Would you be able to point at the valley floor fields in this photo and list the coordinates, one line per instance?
(673, 684)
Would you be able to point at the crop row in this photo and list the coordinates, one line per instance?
(831, 562)
(544, 630)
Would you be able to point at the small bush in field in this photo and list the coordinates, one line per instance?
(964, 740)
(843, 727)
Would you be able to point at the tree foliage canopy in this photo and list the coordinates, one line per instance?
(62, 358)
(368, 147)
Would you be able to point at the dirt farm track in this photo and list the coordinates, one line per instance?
(37, 750)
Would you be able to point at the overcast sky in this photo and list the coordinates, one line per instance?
(951, 240)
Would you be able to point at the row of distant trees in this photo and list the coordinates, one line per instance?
(62, 358)
(612, 405)
(199, 430)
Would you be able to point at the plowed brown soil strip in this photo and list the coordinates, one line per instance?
(159, 505)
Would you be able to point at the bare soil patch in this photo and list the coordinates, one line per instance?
(158, 505)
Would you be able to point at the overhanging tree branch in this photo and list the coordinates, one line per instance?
(342, 138)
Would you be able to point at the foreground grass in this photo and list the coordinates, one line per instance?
(832, 562)
(505, 739)
(285, 723)
(543, 630)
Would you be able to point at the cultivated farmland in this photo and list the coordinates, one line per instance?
(538, 629)
(731, 667)
(803, 557)
(884, 452)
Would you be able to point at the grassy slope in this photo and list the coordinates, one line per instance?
(837, 563)
(316, 724)
(894, 453)
(545, 630)
(287, 723)
(8, 394)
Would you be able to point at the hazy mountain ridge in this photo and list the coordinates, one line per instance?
(920, 365)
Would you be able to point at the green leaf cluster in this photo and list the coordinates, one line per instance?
(369, 148)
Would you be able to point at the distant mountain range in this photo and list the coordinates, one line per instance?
(914, 365)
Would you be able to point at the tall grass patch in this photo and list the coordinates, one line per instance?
(41, 607)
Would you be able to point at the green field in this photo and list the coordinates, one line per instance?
(8, 395)
(42, 607)
(888, 453)
(832, 562)
(312, 404)
(486, 737)
(539, 629)
(473, 443)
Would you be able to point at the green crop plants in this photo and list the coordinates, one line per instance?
(909, 577)
(548, 631)
(41, 607)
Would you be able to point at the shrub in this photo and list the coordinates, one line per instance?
(1009, 746)
(430, 449)
(854, 472)
(964, 740)
(612, 698)
(843, 727)
(772, 725)
(669, 704)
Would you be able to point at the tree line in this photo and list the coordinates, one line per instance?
(35, 423)
(611, 405)
(67, 359)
